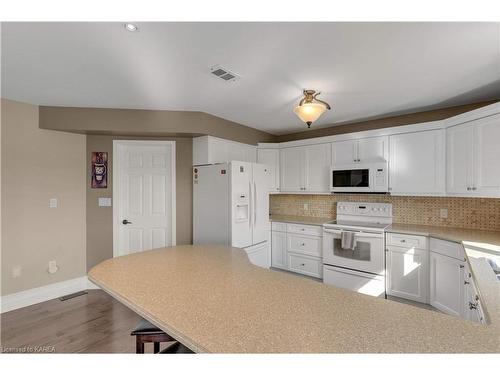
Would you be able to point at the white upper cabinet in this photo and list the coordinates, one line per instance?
(271, 157)
(292, 169)
(487, 156)
(373, 149)
(473, 158)
(345, 152)
(305, 168)
(360, 150)
(211, 150)
(317, 167)
(417, 163)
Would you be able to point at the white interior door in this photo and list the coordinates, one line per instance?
(144, 195)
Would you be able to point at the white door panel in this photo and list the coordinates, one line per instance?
(317, 169)
(241, 203)
(271, 158)
(292, 161)
(459, 156)
(344, 152)
(260, 200)
(144, 180)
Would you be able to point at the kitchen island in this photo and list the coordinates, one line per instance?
(212, 299)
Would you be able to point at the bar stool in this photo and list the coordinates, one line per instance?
(147, 332)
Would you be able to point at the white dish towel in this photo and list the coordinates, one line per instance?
(348, 240)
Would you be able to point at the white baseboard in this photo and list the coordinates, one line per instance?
(44, 293)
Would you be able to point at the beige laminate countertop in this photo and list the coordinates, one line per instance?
(309, 220)
(212, 299)
(479, 245)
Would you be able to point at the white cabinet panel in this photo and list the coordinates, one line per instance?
(487, 156)
(345, 152)
(407, 273)
(278, 250)
(305, 265)
(459, 155)
(417, 163)
(317, 167)
(271, 157)
(360, 150)
(446, 284)
(211, 150)
(473, 158)
(292, 169)
(372, 149)
(308, 245)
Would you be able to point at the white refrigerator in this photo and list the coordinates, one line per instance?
(231, 207)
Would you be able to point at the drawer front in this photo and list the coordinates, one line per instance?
(313, 230)
(278, 227)
(406, 240)
(448, 248)
(308, 245)
(305, 265)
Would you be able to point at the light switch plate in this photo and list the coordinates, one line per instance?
(443, 213)
(104, 202)
(53, 203)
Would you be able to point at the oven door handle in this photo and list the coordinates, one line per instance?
(368, 235)
(332, 231)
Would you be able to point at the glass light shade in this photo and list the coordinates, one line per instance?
(310, 112)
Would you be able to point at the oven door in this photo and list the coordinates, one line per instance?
(367, 255)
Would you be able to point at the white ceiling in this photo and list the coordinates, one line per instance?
(363, 69)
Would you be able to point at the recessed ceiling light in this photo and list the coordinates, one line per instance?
(131, 27)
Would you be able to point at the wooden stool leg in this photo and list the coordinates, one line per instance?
(139, 345)
(156, 347)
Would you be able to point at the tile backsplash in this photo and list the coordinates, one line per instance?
(472, 213)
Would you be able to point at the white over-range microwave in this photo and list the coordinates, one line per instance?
(359, 178)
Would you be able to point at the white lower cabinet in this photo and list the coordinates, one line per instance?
(297, 248)
(407, 273)
(311, 266)
(447, 284)
(278, 250)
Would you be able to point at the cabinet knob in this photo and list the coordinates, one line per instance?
(474, 188)
(303, 244)
(472, 306)
(302, 264)
(468, 188)
(403, 241)
(466, 283)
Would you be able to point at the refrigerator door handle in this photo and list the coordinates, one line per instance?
(254, 204)
(250, 204)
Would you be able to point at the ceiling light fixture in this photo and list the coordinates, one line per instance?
(131, 27)
(310, 107)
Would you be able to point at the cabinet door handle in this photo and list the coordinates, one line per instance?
(466, 283)
(302, 264)
(303, 244)
(403, 241)
(474, 188)
(468, 189)
(461, 266)
(472, 306)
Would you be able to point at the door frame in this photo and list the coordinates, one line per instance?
(116, 186)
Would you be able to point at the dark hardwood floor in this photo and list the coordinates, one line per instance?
(92, 323)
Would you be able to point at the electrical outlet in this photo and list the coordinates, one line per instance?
(53, 268)
(53, 203)
(16, 271)
(443, 213)
(306, 206)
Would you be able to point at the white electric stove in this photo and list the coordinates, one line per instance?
(353, 247)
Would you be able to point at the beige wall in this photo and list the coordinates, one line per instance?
(386, 122)
(38, 165)
(100, 219)
(472, 213)
(136, 122)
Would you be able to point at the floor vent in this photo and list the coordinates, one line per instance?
(225, 74)
(73, 295)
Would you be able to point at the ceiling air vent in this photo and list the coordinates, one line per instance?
(224, 74)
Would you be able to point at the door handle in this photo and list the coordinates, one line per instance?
(125, 222)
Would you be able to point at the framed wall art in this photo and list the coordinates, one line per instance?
(99, 172)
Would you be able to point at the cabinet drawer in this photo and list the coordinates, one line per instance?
(313, 230)
(306, 265)
(406, 240)
(309, 245)
(448, 248)
(278, 227)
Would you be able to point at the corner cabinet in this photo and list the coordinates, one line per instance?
(305, 169)
(473, 158)
(417, 163)
(271, 157)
